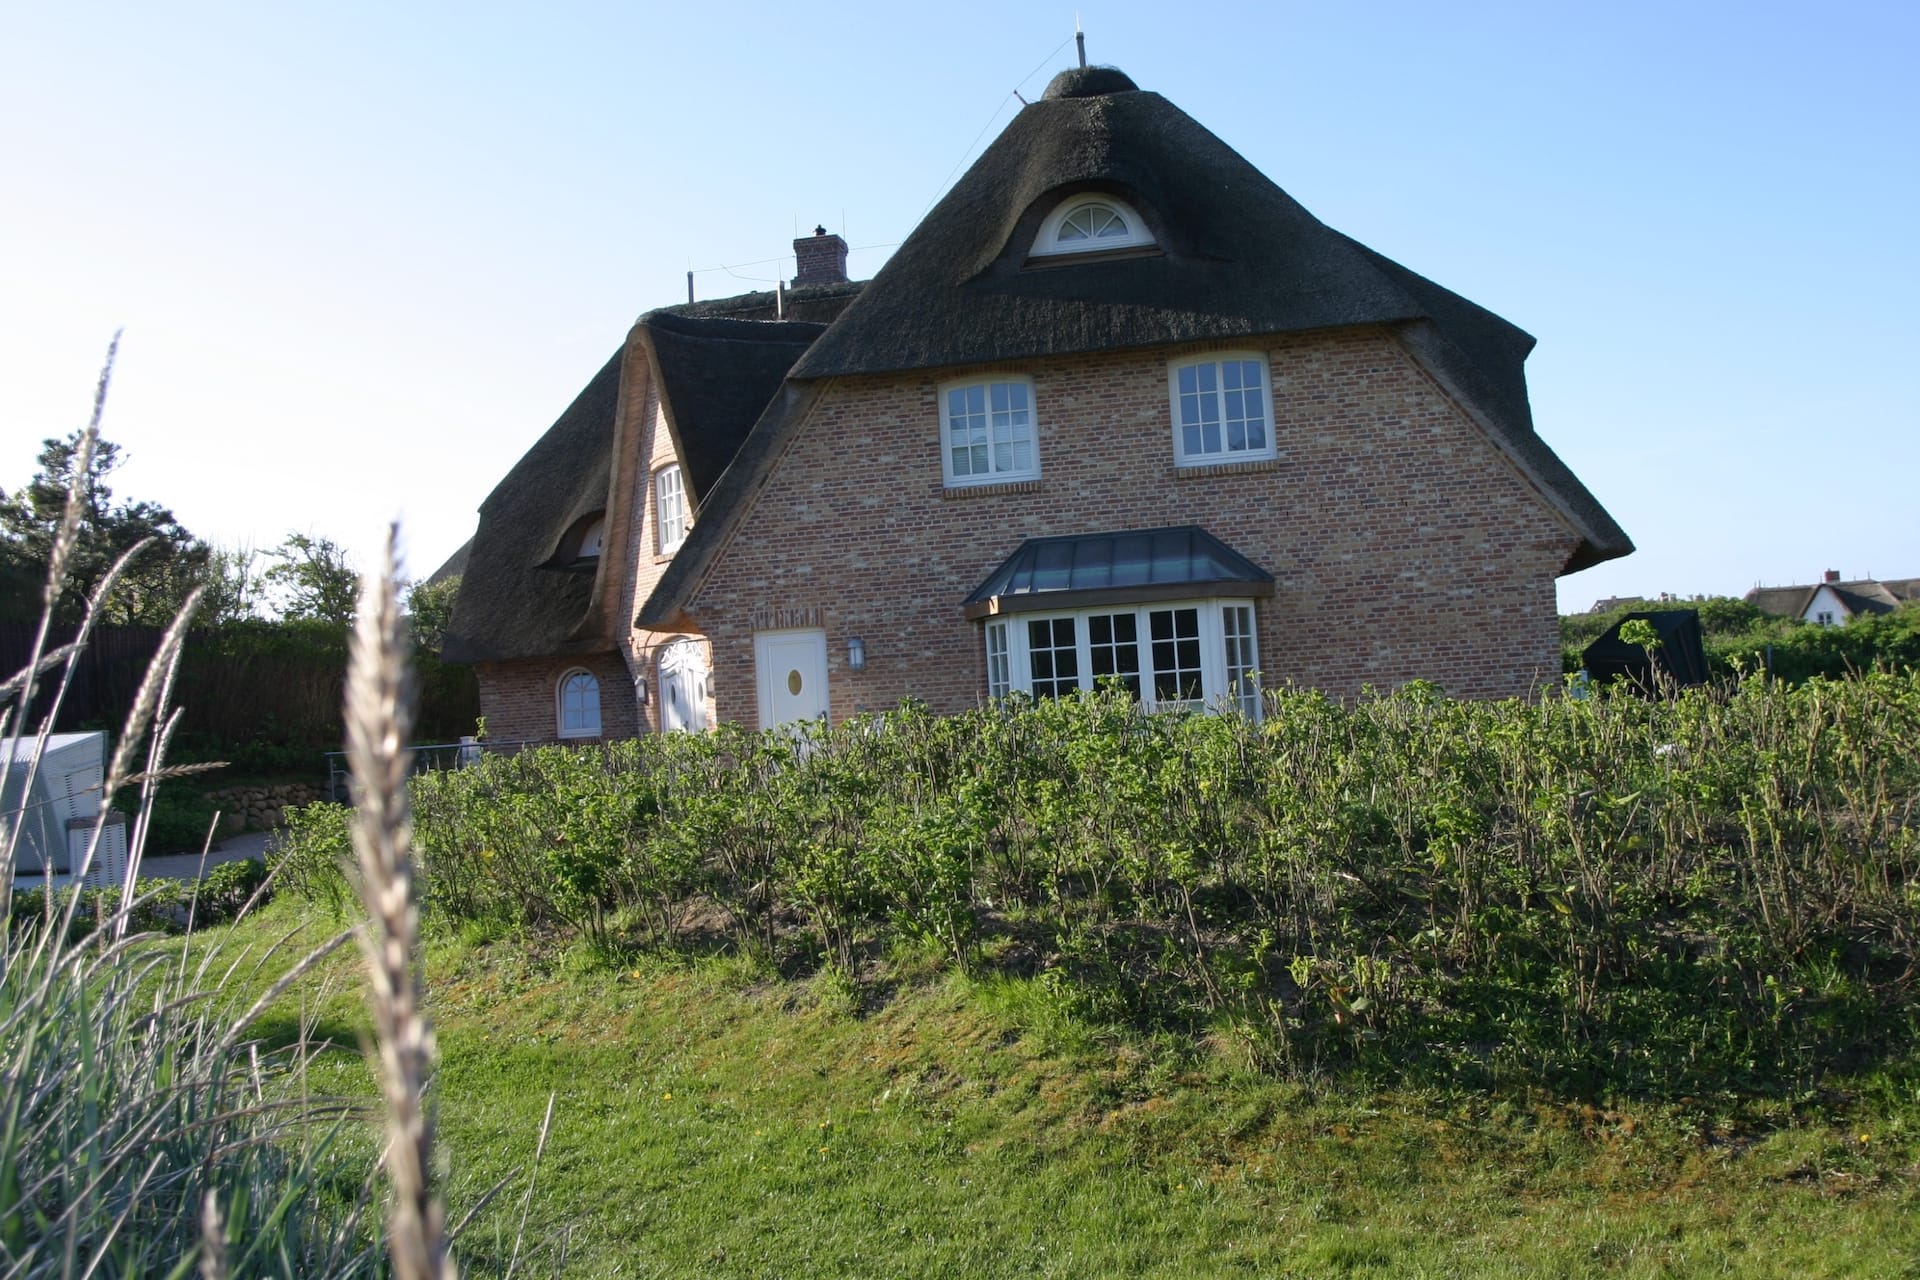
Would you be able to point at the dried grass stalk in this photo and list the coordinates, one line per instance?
(379, 716)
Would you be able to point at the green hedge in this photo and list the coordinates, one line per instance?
(1610, 894)
(1740, 639)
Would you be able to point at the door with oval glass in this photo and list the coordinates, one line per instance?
(791, 669)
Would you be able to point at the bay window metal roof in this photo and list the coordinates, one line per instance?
(1082, 570)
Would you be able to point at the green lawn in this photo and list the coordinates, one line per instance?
(713, 1120)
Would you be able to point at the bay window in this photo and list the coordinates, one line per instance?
(1179, 654)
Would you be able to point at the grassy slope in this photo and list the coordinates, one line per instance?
(712, 1121)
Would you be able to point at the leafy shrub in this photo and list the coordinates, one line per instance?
(181, 820)
(226, 890)
(310, 854)
(1740, 639)
(1606, 894)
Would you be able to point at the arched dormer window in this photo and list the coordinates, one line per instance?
(580, 546)
(590, 538)
(1091, 224)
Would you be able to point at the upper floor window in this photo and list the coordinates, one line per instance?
(579, 705)
(671, 519)
(987, 431)
(1091, 224)
(1222, 409)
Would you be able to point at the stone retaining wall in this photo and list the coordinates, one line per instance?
(260, 808)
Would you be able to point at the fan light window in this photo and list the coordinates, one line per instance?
(1091, 226)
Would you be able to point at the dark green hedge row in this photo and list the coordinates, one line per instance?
(1740, 639)
(265, 695)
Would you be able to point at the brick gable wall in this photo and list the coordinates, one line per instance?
(1403, 543)
(519, 699)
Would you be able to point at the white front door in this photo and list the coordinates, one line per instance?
(792, 675)
(683, 687)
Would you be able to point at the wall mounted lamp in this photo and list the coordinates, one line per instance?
(640, 690)
(856, 654)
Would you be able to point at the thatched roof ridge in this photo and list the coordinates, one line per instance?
(511, 605)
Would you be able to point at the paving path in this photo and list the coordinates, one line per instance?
(190, 866)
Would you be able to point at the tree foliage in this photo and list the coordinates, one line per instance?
(312, 579)
(430, 610)
(155, 583)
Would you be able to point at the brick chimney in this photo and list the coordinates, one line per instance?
(821, 259)
(1833, 575)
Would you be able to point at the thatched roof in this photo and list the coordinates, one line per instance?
(717, 364)
(454, 565)
(1238, 257)
(715, 376)
(510, 604)
(1861, 595)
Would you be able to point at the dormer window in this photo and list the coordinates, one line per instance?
(1093, 224)
(590, 538)
(579, 549)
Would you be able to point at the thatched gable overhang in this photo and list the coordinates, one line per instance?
(512, 604)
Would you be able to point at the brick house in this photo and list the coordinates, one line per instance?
(1118, 408)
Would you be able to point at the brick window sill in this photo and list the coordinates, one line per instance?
(954, 492)
(1207, 469)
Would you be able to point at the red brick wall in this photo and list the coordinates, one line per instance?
(520, 700)
(1403, 543)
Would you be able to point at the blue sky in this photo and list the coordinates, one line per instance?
(365, 253)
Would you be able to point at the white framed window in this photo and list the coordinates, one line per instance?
(671, 519)
(987, 432)
(1222, 408)
(1192, 654)
(578, 695)
(1236, 631)
(1091, 224)
(999, 674)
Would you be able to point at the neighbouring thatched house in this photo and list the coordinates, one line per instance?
(1831, 601)
(1118, 408)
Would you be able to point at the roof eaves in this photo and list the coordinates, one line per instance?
(1601, 538)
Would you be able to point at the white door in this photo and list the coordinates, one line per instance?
(791, 671)
(683, 687)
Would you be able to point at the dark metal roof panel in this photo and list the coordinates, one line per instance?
(1061, 567)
